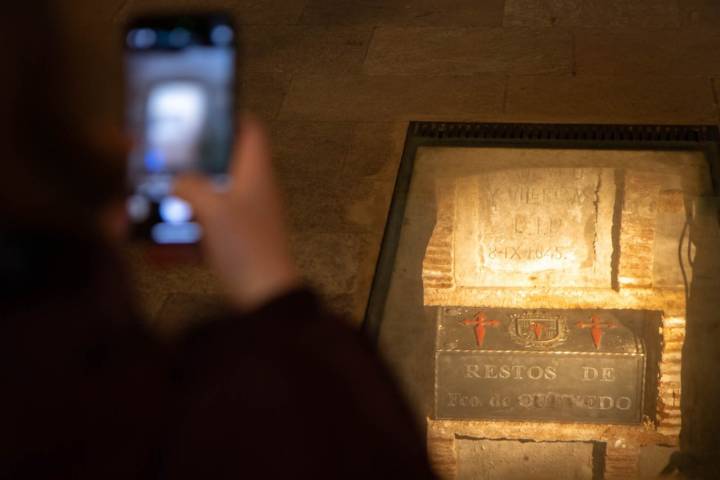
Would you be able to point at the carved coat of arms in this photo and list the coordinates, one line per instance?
(538, 330)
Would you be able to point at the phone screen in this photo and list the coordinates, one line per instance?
(180, 76)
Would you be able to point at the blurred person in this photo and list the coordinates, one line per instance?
(278, 388)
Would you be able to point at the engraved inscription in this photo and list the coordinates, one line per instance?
(525, 252)
(538, 387)
(547, 400)
(512, 372)
(554, 400)
(538, 400)
(537, 226)
(540, 221)
(539, 364)
(528, 226)
(605, 374)
(535, 400)
(533, 194)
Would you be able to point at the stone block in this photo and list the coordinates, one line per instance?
(586, 13)
(370, 212)
(703, 13)
(132, 8)
(340, 204)
(91, 58)
(685, 52)
(344, 306)
(375, 149)
(330, 261)
(267, 12)
(550, 228)
(318, 149)
(518, 460)
(671, 201)
(84, 13)
(653, 458)
(401, 12)
(444, 51)
(392, 97)
(314, 205)
(366, 274)
(621, 461)
(352, 305)
(610, 99)
(523, 228)
(263, 93)
(246, 12)
(637, 229)
(293, 48)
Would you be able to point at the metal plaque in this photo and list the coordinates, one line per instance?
(559, 365)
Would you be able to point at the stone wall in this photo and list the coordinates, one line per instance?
(338, 80)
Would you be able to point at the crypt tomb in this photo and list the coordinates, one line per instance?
(543, 296)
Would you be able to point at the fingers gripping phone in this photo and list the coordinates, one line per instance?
(180, 109)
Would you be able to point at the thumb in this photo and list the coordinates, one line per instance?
(252, 168)
(198, 191)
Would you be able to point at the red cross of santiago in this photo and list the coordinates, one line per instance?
(596, 329)
(480, 321)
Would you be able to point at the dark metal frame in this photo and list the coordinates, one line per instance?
(703, 138)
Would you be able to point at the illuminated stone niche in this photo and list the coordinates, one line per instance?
(575, 238)
(553, 229)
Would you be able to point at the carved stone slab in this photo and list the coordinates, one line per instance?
(560, 365)
(523, 227)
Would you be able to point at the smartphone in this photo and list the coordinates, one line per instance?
(180, 73)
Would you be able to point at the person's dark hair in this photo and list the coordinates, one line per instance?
(52, 176)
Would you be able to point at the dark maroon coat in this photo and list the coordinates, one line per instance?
(286, 391)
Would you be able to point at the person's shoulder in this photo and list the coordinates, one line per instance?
(291, 314)
(293, 328)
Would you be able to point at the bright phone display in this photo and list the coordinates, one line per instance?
(180, 76)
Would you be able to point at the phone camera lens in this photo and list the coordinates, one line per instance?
(179, 38)
(221, 35)
(141, 38)
(173, 210)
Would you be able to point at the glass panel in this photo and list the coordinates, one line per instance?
(551, 251)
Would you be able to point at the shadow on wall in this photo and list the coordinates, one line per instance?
(700, 436)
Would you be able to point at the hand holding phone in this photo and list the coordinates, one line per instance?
(245, 240)
(180, 75)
